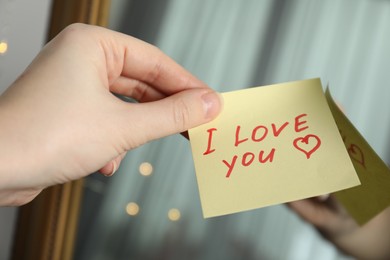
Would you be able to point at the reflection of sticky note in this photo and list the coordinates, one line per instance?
(269, 145)
(373, 195)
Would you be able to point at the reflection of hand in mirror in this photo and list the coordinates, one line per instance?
(370, 241)
(60, 120)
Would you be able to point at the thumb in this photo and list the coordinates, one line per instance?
(174, 114)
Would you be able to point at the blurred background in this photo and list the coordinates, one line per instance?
(150, 209)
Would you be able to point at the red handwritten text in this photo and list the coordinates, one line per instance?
(354, 151)
(307, 147)
(209, 150)
(308, 144)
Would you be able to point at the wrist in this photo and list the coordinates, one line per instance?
(370, 241)
(15, 164)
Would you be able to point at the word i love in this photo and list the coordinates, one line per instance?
(307, 144)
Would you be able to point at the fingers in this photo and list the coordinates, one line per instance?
(147, 63)
(116, 55)
(304, 208)
(134, 59)
(136, 89)
(111, 167)
(323, 197)
(311, 210)
(174, 114)
(327, 214)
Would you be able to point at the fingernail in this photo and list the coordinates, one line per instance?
(323, 197)
(212, 102)
(114, 168)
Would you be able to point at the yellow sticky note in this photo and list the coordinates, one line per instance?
(269, 145)
(373, 195)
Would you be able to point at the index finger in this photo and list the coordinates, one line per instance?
(144, 62)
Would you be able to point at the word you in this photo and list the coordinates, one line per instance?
(307, 144)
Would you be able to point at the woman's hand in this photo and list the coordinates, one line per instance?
(370, 241)
(60, 121)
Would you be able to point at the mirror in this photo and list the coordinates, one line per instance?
(150, 209)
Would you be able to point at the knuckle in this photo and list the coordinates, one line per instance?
(181, 114)
(156, 70)
(140, 91)
(74, 30)
(155, 73)
(74, 36)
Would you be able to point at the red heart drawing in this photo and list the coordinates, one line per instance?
(303, 145)
(356, 154)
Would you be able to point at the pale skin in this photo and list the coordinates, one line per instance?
(368, 242)
(60, 121)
